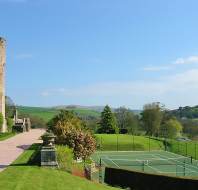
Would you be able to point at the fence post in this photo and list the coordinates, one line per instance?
(186, 149)
(165, 144)
(184, 168)
(100, 171)
(149, 144)
(195, 151)
(133, 142)
(101, 143)
(117, 142)
(143, 164)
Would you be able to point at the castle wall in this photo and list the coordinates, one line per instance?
(2, 80)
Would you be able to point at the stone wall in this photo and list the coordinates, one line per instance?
(2, 80)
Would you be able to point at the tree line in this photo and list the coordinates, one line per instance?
(154, 120)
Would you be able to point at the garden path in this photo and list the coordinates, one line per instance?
(11, 148)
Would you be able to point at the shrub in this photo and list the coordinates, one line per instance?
(1, 121)
(69, 130)
(10, 123)
(64, 157)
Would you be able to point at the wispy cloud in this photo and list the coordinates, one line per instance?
(24, 56)
(187, 60)
(157, 68)
(175, 89)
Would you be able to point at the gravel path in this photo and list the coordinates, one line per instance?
(11, 148)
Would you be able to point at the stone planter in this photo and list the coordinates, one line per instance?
(48, 151)
(48, 139)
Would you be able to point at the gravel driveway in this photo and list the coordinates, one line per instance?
(11, 148)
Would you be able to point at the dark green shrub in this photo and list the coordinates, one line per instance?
(1, 121)
(64, 157)
(10, 123)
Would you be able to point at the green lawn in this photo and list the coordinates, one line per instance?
(48, 113)
(184, 148)
(21, 176)
(127, 142)
(4, 136)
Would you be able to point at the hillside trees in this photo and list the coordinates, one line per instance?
(171, 128)
(9, 107)
(151, 117)
(190, 127)
(70, 130)
(108, 123)
(126, 120)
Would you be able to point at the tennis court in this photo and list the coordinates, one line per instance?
(160, 162)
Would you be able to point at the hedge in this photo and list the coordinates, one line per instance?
(145, 181)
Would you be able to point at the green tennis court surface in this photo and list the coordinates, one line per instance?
(160, 162)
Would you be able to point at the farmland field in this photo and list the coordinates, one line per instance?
(48, 113)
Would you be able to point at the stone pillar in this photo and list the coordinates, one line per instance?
(2, 80)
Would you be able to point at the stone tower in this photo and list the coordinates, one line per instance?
(2, 80)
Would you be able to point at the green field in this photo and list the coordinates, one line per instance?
(48, 113)
(21, 176)
(127, 142)
(184, 148)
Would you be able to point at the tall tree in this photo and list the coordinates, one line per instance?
(171, 128)
(9, 107)
(127, 120)
(108, 123)
(152, 117)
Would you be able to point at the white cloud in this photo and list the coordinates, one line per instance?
(173, 90)
(187, 60)
(156, 68)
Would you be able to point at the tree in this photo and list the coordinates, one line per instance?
(151, 118)
(127, 121)
(108, 123)
(10, 123)
(190, 127)
(1, 121)
(171, 128)
(36, 121)
(9, 107)
(70, 130)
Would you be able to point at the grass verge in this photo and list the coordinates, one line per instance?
(22, 176)
(4, 136)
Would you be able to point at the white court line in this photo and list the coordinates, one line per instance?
(112, 161)
(148, 159)
(105, 151)
(156, 170)
(183, 163)
(126, 155)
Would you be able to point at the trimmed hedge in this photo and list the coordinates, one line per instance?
(146, 181)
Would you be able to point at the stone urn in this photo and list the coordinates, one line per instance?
(48, 139)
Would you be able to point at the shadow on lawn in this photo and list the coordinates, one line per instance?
(34, 157)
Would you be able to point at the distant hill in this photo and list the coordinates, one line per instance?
(95, 108)
(47, 113)
(186, 112)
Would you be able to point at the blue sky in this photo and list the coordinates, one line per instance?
(97, 52)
